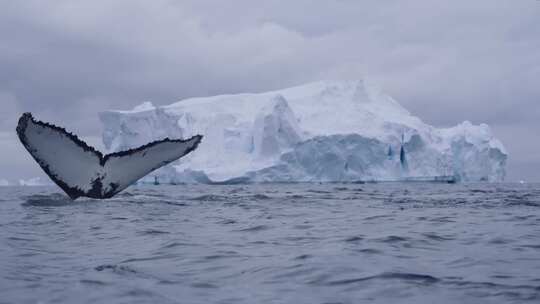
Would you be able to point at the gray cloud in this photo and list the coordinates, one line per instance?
(446, 61)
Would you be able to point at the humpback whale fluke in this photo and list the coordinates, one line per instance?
(81, 170)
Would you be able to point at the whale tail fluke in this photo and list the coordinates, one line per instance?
(81, 170)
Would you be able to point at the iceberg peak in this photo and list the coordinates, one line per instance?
(145, 106)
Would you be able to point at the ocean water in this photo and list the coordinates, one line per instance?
(273, 243)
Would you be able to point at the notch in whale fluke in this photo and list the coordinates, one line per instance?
(81, 170)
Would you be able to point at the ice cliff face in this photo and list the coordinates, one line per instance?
(323, 131)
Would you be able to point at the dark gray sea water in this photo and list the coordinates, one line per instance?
(274, 243)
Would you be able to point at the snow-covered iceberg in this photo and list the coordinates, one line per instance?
(323, 131)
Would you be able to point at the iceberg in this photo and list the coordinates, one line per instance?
(3, 183)
(327, 131)
(34, 182)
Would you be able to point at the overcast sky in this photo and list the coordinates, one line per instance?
(445, 61)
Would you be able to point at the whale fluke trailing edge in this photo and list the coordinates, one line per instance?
(81, 170)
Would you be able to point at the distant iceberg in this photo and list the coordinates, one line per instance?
(35, 181)
(319, 132)
(3, 183)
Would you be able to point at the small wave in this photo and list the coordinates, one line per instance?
(520, 218)
(174, 203)
(14, 238)
(303, 257)
(126, 194)
(296, 271)
(260, 197)
(318, 191)
(254, 228)
(93, 282)
(177, 244)
(500, 241)
(354, 239)
(223, 255)
(408, 277)
(119, 218)
(376, 217)
(369, 251)
(215, 257)
(137, 293)
(436, 237)
(502, 277)
(479, 191)
(260, 243)
(522, 199)
(237, 190)
(140, 197)
(442, 219)
(492, 285)
(302, 238)
(150, 258)
(203, 285)
(401, 201)
(303, 226)
(296, 196)
(51, 200)
(153, 232)
(210, 198)
(120, 269)
(393, 239)
(526, 203)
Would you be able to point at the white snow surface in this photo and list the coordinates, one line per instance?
(324, 131)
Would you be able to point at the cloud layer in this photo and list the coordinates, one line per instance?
(446, 61)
